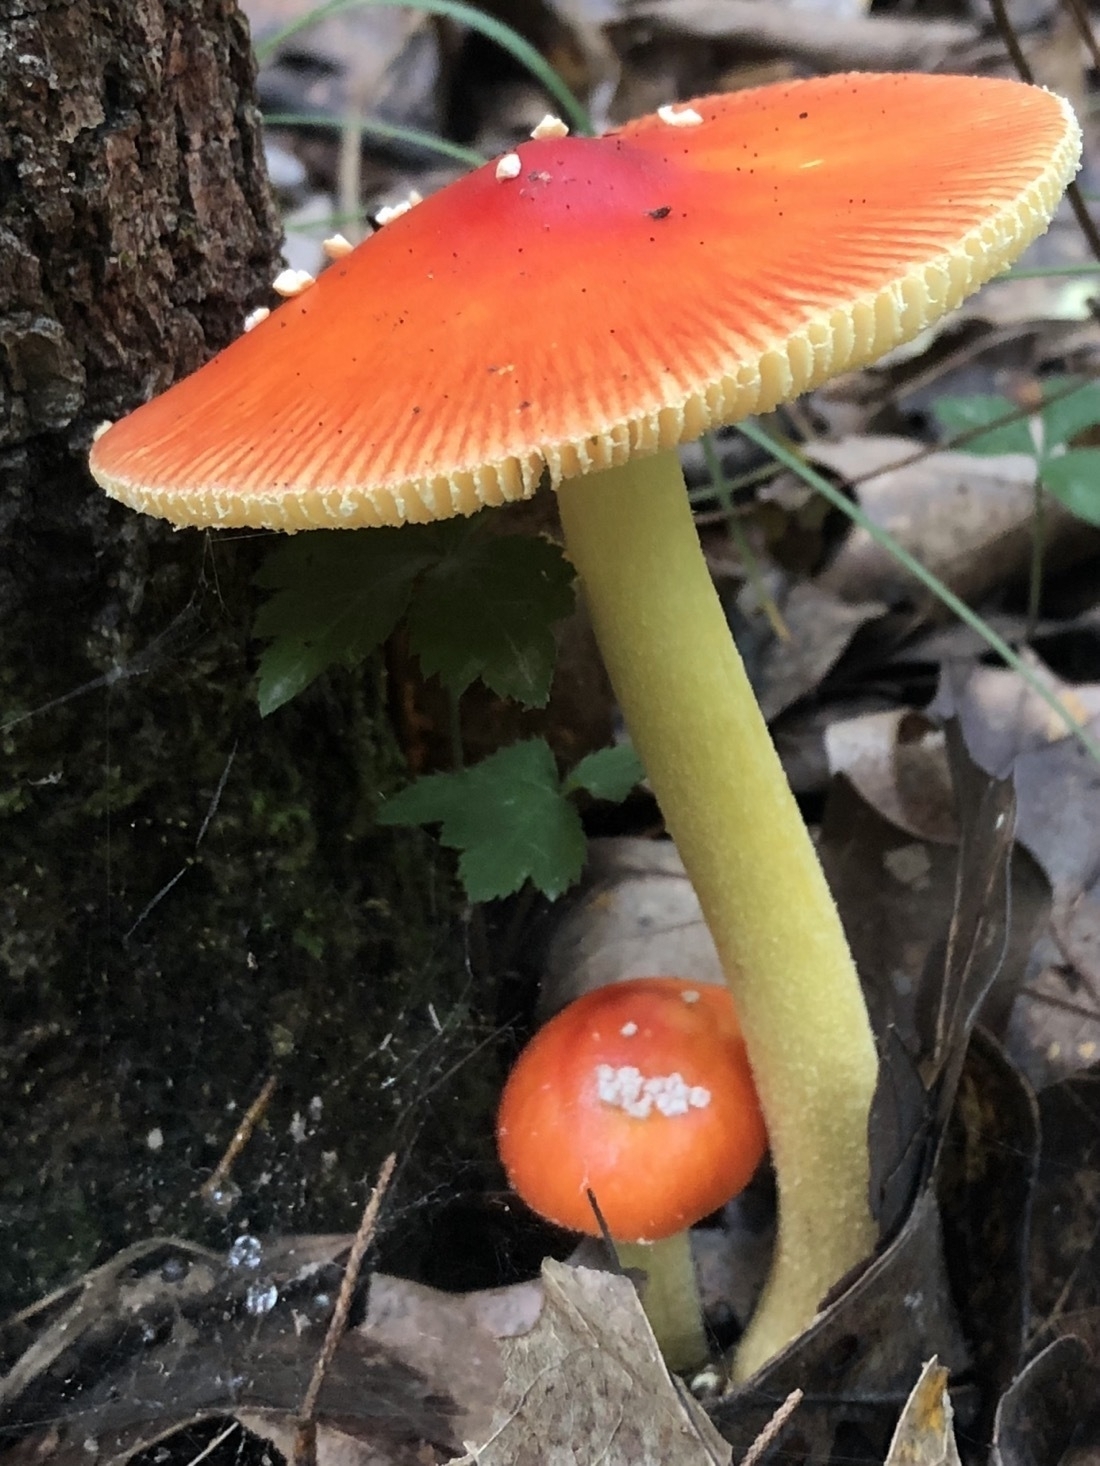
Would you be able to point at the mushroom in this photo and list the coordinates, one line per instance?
(574, 322)
(639, 1093)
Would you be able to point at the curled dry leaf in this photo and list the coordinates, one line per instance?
(1056, 1022)
(925, 1435)
(985, 1178)
(860, 1353)
(1065, 1259)
(1050, 1412)
(897, 760)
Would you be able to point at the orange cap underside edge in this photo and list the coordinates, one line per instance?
(621, 296)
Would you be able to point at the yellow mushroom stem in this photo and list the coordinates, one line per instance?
(670, 1297)
(725, 799)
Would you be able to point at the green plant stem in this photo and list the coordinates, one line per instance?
(413, 137)
(462, 14)
(706, 749)
(670, 1297)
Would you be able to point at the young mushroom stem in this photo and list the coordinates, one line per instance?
(670, 1297)
(725, 799)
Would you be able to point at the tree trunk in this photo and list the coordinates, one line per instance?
(190, 899)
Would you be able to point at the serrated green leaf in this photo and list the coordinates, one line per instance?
(1069, 415)
(337, 595)
(507, 816)
(609, 773)
(487, 610)
(963, 414)
(1074, 480)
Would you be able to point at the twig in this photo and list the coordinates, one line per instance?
(771, 1430)
(350, 168)
(241, 1136)
(305, 1435)
(212, 1446)
(1020, 61)
(1081, 19)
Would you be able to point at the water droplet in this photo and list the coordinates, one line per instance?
(261, 1298)
(223, 1198)
(246, 1252)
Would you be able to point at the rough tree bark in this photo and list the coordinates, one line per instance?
(189, 898)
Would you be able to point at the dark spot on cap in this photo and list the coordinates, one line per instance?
(661, 213)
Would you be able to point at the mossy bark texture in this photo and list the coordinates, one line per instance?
(190, 899)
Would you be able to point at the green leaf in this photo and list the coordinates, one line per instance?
(487, 610)
(1074, 479)
(963, 414)
(509, 818)
(338, 595)
(1071, 414)
(609, 773)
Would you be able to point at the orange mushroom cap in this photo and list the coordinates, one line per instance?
(640, 1091)
(620, 295)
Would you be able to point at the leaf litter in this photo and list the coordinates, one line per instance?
(961, 842)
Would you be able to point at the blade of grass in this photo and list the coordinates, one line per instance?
(789, 459)
(1052, 272)
(388, 131)
(461, 14)
(323, 224)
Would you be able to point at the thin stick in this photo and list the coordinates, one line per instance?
(1023, 67)
(1081, 19)
(350, 170)
(771, 1430)
(212, 1446)
(241, 1136)
(305, 1437)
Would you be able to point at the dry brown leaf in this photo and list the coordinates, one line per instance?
(897, 760)
(1058, 788)
(1051, 1412)
(336, 1445)
(925, 1435)
(636, 915)
(1065, 1253)
(587, 1385)
(821, 627)
(848, 42)
(862, 1348)
(451, 1338)
(967, 519)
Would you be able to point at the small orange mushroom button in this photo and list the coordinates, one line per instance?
(641, 1092)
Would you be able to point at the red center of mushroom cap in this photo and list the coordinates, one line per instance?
(619, 295)
(641, 1092)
